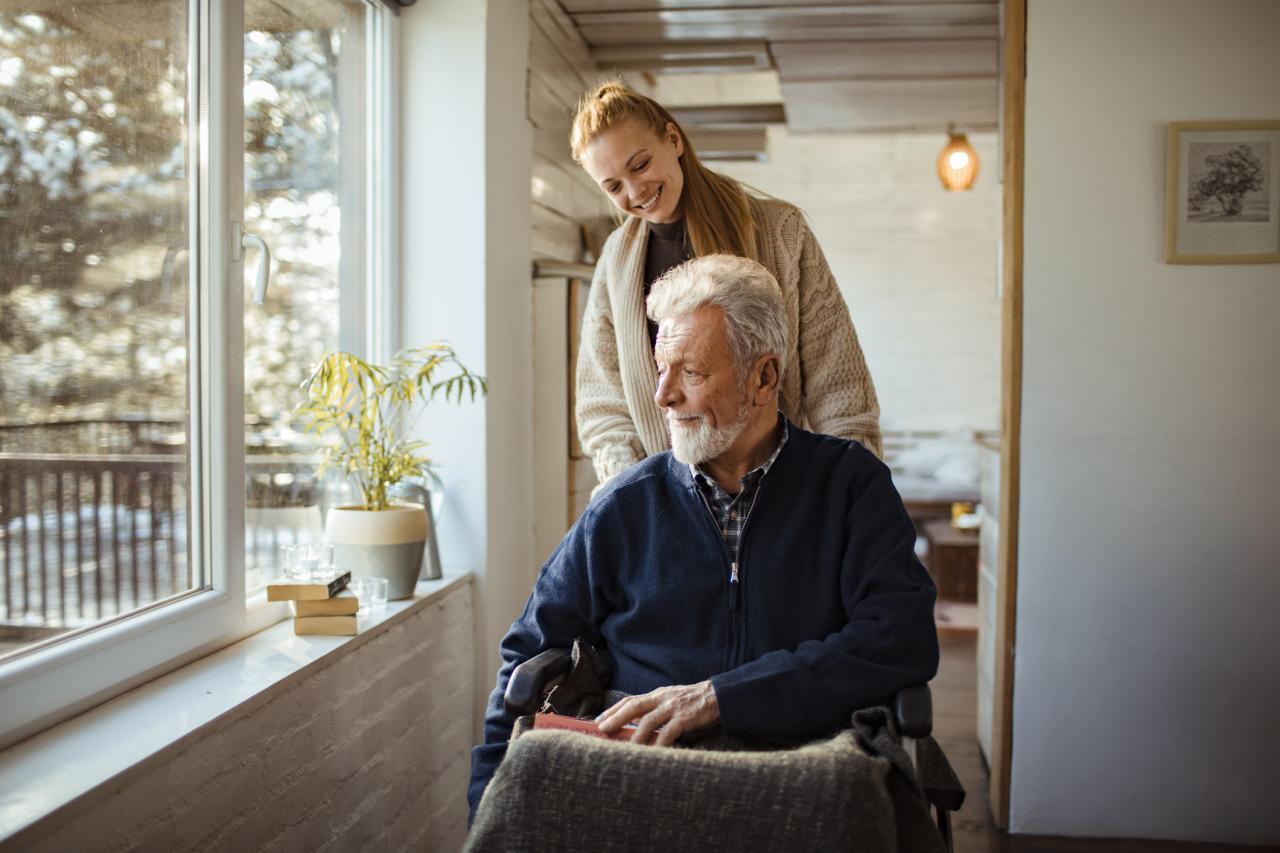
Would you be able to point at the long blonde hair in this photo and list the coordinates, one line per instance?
(717, 214)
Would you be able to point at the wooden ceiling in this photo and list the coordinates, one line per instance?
(856, 66)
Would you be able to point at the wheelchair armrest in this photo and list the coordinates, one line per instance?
(912, 706)
(529, 680)
(913, 711)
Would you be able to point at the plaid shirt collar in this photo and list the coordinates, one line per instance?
(755, 474)
(731, 511)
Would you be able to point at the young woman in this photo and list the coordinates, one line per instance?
(677, 209)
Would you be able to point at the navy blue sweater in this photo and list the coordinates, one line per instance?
(832, 611)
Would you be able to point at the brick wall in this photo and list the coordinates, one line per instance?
(368, 748)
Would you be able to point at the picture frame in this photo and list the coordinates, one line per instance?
(1222, 196)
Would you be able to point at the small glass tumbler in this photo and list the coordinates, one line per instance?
(359, 588)
(376, 590)
(291, 563)
(319, 556)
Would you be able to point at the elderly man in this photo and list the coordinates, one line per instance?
(757, 576)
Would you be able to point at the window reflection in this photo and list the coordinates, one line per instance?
(93, 314)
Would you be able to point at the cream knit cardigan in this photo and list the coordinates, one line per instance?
(826, 387)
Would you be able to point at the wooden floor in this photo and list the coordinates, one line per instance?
(955, 705)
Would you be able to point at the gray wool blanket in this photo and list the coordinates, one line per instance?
(562, 791)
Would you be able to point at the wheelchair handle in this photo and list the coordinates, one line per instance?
(529, 680)
(913, 711)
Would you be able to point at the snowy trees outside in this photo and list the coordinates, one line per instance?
(94, 216)
(95, 180)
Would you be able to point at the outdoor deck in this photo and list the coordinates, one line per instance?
(100, 527)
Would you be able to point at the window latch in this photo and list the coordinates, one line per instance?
(241, 240)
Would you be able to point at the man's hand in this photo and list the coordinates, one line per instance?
(679, 709)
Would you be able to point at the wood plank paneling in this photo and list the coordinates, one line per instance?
(566, 189)
(878, 60)
(582, 475)
(576, 7)
(1013, 79)
(550, 111)
(551, 481)
(810, 15)
(559, 79)
(843, 67)
(713, 144)
(584, 481)
(604, 34)
(579, 290)
(749, 87)
(560, 70)
(555, 235)
(551, 19)
(732, 115)
(818, 22)
(880, 105)
(552, 143)
(679, 50)
(563, 200)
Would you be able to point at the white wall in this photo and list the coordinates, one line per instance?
(1145, 697)
(916, 264)
(466, 148)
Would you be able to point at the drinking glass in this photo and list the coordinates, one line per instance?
(376, 589)
(291, 564)
(319, 556)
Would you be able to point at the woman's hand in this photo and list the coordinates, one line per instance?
(679, 709)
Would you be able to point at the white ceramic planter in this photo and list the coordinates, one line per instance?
(382, 544)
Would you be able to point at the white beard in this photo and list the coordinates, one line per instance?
(694, 445)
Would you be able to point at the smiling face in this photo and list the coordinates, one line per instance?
(705, 399)
(638, 170)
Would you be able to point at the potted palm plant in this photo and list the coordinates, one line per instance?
(364, 415)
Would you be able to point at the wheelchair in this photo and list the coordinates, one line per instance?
(883, 784)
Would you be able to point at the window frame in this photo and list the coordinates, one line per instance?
(85, 668)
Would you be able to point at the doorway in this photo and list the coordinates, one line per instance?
(841, 109)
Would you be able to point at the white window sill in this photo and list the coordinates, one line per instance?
(45, 772)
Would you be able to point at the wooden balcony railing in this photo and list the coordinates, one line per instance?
(100, 527)
(89, 537)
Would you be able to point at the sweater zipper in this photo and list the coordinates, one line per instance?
(735, 567)
(735, 578)
(724, 549)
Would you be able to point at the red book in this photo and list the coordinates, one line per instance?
(586, 727)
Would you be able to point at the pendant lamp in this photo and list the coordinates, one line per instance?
(957, 162)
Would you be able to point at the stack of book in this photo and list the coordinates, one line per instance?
(323, 606)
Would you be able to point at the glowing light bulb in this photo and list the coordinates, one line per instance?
(957, 162)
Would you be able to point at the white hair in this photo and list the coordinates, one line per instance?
(755, 316)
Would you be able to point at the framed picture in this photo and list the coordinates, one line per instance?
(1222, 203)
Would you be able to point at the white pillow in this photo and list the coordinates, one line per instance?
(949, 458)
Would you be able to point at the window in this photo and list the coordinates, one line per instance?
(148, 465)
(306, 122)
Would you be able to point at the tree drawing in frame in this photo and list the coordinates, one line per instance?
(1222, 192)
(1229, 182)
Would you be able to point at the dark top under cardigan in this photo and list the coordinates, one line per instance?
(667, 248)
(832, 612)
